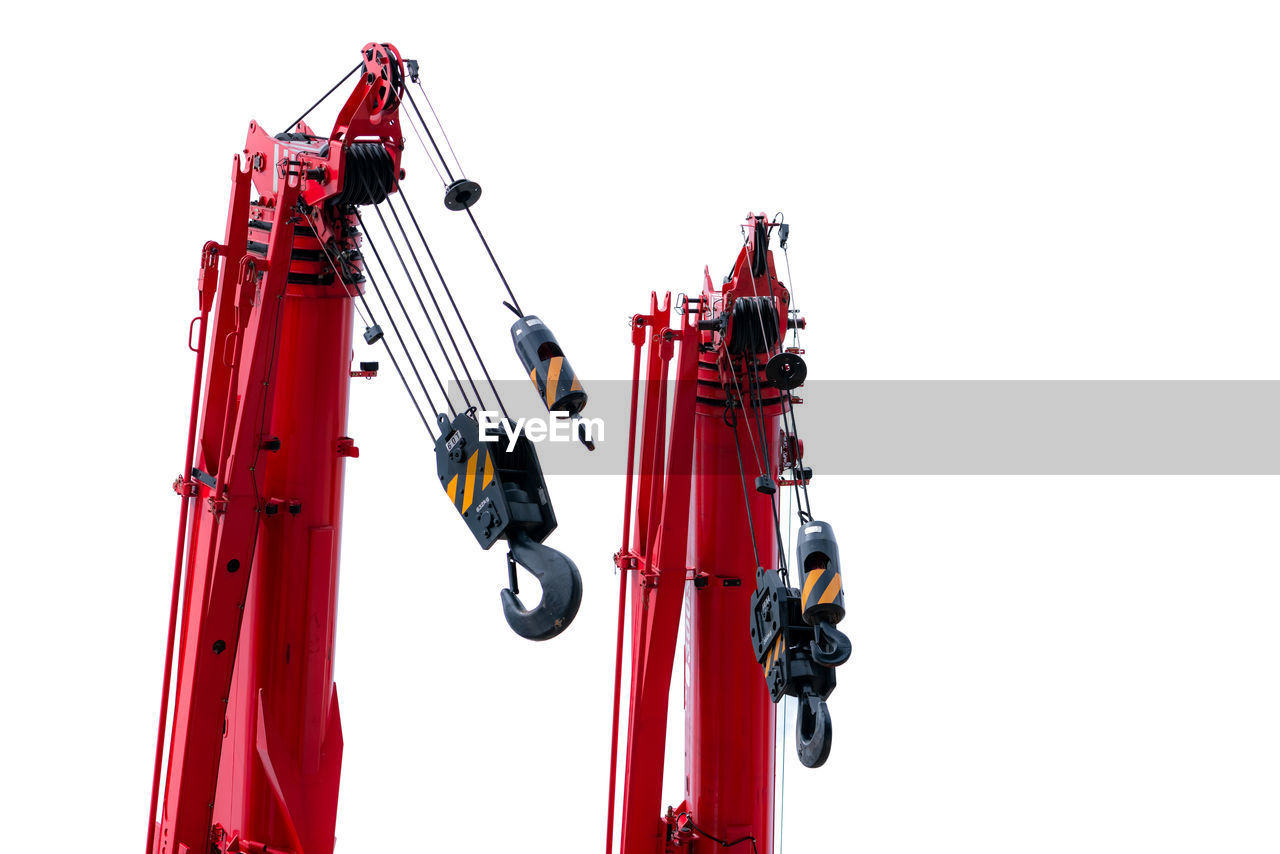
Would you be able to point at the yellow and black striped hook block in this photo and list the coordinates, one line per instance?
(494, 485)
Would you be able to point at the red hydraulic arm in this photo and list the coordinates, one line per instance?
(699, 538)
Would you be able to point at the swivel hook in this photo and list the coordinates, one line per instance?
(561, 589)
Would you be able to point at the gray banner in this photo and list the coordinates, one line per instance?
(985, 427)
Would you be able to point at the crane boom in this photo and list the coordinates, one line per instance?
(255, 746)
(702, 539)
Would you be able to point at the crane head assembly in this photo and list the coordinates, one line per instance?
(358, 165)
(793, 630)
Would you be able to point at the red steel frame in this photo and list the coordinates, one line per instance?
(255, 746)
(700, 563)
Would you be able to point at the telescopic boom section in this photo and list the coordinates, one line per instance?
(255, 746)
(722, 453)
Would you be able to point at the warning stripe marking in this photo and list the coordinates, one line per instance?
(469, 480)
(553, 379)
(833, 590)
(827, 580)
(810, 581)
(773, 653)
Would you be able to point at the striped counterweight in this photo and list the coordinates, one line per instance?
(822, 594)
(549, 370)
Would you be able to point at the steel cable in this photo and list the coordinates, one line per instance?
(396, 329)
(427, 130)
(407, 119)
(322, 97)
(430, 323)
(440, 125)
(514, 305)
(731, 420)
(439, 311)
(370, 323)
(753, 382)
(449, 293)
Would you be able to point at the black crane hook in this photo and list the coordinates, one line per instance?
(561, 589)
(830, 647)
(813, 731)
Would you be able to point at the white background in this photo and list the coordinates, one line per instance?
(1076, 190)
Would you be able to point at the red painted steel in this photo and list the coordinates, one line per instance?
(691, 524)
(256, 741)
(206, 288)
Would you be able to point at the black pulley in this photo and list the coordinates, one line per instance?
(461, 194)
(369, 178)
(760, 257)
(753, 328)
(786, 370)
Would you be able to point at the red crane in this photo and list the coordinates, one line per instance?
(255, 748)
(702, 536)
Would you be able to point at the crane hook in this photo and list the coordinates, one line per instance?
(813, 731)
(830, 647)
(561, 589)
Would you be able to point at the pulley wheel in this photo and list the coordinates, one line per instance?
(461, 194)
(786, 371)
